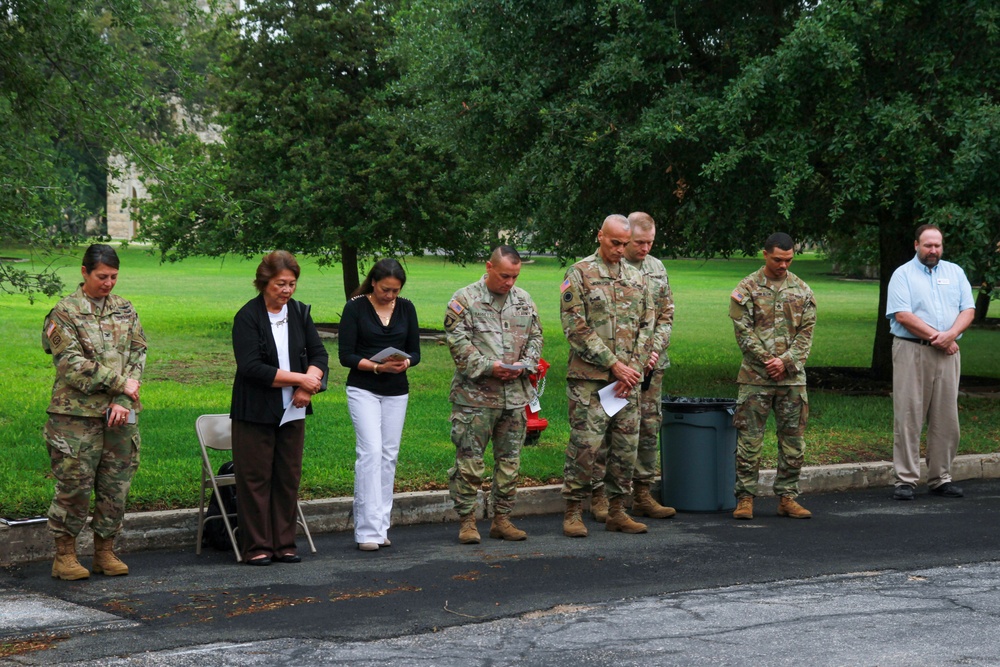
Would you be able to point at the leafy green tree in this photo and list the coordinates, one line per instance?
(313, 159)
(872, 114)
(564, 111)
(79, 80)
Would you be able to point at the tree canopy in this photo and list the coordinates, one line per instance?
(79, 80)
(725, 121)
(878, 116)
(316, 156)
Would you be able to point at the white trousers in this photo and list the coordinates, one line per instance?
(378, 427)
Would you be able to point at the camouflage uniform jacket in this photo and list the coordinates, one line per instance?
(773, 321)
(605, 319)
(478, 334)
(663, 299)
(94, 354)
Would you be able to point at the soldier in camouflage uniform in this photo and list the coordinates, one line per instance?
(495, 338)
(99, 351)
(650, 399)
(773, 313)
(608, 318)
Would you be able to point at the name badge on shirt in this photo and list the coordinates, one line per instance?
(943, 281)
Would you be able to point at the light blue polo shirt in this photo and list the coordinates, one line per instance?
(935, 295)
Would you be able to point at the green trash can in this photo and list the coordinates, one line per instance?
(698, 454)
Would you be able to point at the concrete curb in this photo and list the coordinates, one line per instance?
(176, 529)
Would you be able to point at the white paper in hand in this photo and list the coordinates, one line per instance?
(610, 401)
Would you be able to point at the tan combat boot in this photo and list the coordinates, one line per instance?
(644, 504)
(66, 566)
(467, 532)
(503, 529)
(744, 508)
(788, 507)
(105, 559)
(573, 519)
(599, 505)
(618, 520)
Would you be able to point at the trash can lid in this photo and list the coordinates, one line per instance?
(687, 404)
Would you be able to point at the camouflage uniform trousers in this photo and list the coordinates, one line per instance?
(87, 455)
(471, 430)
(651, 416)
(791, 412)
(589, 427)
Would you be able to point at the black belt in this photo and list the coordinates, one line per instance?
(918, 341)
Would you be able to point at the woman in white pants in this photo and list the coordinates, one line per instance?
(374, 319)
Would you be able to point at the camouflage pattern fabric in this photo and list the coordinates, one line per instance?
(647, 453)
(658, 284)
(607, 316)
(791, 412)
(94, 353)
(479, 334)
(605, 319)
(773, 320)
(87, 455)
(770, 320)
(589, 426)
(471, 429)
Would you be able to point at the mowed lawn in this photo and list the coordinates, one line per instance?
(187, 309)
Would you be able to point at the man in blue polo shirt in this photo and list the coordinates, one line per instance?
(929, 306)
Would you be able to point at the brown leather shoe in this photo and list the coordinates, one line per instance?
(65, 566)
(744, 508)
(467, 532)
(599, 505)
(503, 529)
(105, 559)
(573, 519)
(788, 507)
(619, 521)
(644, 504)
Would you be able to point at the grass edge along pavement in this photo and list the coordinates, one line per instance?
(175, 529)
(187, 311)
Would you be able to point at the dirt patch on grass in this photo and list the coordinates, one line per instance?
(211, 367)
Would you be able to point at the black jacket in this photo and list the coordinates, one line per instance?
(254, 399)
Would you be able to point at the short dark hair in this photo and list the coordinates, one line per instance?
(384, 268)
(100, 253)
(923, 228)
(779, 240)
(507, 251)
(273, 264)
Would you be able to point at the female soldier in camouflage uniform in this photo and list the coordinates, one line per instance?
(99, 350)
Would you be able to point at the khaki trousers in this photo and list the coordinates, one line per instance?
(924, 390)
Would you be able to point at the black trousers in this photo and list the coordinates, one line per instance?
(267, 460)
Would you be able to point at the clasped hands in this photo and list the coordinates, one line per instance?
(309, 384)
(627, 377)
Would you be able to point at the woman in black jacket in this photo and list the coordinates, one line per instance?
(280, 366)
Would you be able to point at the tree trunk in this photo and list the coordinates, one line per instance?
(895, 247)
(349, 258)
(982, 305)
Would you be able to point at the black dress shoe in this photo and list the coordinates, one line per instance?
(288, 558)
(903, 492)
(260, 560)
(948, 490)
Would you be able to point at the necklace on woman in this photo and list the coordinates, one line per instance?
(384, 318)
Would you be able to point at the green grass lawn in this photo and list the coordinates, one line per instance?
(187, 309)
